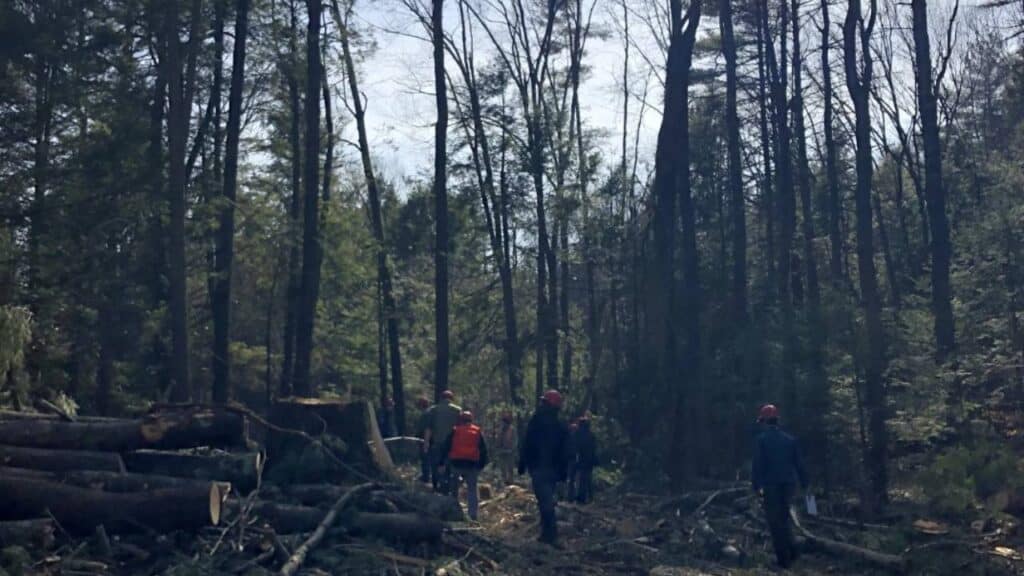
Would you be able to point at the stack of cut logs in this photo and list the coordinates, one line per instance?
(174, 468)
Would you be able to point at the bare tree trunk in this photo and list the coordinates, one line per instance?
(767, 196)
(858, 82)
(941, 247)
(295, 224)
(831, 155)
(376, 221)
(181, 89)
(222, 389)
(737, 201)
(672, 177)
(440, 203)
(311, 231)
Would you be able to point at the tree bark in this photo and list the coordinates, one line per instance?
(172, 430)
(59, 460)
(310, 285)
(858, 82)
(108, 481)
(80, 510)
(241, 470)
(440, 203)
(941, 246)
(222, 389)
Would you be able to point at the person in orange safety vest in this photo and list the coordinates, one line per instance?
(466, 452)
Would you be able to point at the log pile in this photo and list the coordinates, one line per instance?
(111, 491)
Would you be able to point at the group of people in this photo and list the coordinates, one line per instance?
(455, 451)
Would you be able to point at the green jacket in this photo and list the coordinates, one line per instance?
(441, 418)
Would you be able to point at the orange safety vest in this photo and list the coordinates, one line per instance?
(465, 443)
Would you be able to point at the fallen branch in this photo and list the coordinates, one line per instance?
(299, 556)
(890, 562)
(44, 405)
(263, 557)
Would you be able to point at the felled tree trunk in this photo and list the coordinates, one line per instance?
(170, 430)
(59, 460)
(404, 528)
(37, 532)
(80, 510)
(284, 518)
(111, 481)
(241, 470)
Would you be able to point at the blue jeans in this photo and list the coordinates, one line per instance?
(470, 474)
(544, 481)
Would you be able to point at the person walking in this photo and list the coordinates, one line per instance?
(464, 455)
(506, 442)
(568, 492)
(441, 419)
(586, 459)
(426, 474)
(777, 467)
(543, 453)
(386, 418)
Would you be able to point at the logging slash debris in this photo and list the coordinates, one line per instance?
(311, 489)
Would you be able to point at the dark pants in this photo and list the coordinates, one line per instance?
(584, 484)
(776, 509)
(544, 481)
(426, 467)
(571, 483)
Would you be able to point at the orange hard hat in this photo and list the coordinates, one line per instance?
(767, 412)
(552, 398)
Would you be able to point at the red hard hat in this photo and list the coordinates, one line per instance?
(465, 416)
(552, 398)
(422, 402)
(767, 412)
(447, 395)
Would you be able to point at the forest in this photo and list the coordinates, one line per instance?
(671, 211)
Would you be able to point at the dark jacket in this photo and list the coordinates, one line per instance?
(586, 446)
(545, 446)
(777, 460)
(446, 448)
(385, 421)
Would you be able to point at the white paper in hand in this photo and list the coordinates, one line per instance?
(812, 505)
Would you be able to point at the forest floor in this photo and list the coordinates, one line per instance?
(715, 532)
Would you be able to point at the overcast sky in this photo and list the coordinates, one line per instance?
(397, 77)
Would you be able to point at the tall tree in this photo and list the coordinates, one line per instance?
(941, 247)
(310, 285)
(180, 87)
(376, 217)
(226, 230)
(291, 67)
(737, 202)
(858, 65)
(831, 153)
(672, 180)
(441, 242)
